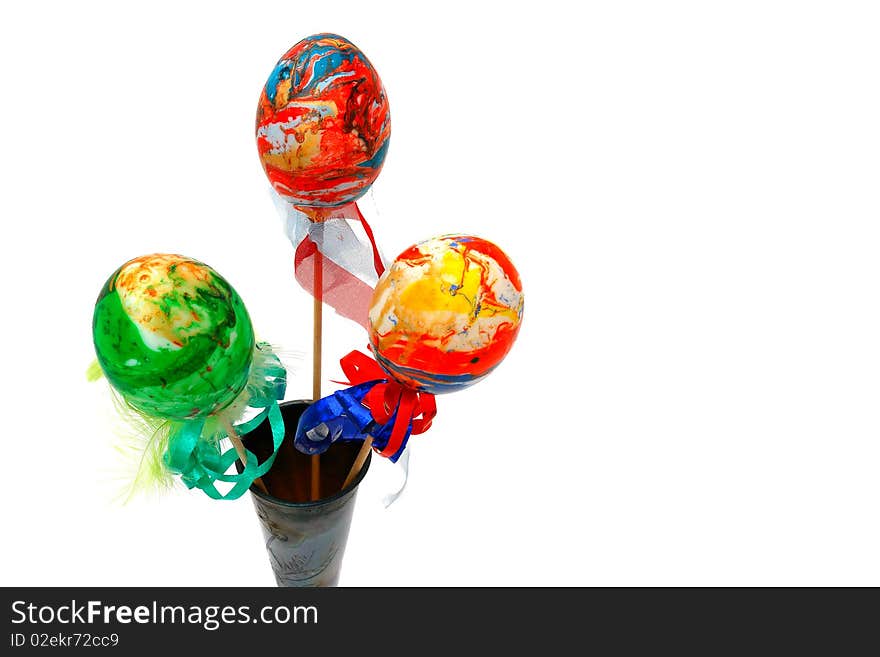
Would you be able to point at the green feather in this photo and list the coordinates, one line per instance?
(94, 371)
(141, 442)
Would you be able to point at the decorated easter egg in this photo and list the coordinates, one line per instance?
(445, 313)
(172, 337)
(323, 123)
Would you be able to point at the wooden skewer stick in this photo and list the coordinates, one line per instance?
(242, 453)
(358, 462)
(318, 293)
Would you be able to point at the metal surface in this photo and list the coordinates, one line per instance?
(305, 539)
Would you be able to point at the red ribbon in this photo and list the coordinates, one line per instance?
(389, 396)
(317, 273)
(377, 259)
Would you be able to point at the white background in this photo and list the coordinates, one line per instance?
(689, 191)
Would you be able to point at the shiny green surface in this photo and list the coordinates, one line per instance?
(172, 336)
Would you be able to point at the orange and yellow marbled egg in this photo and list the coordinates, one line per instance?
(445, 313)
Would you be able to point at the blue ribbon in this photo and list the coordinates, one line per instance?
(343, 416)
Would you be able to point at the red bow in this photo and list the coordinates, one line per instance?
(388, 397)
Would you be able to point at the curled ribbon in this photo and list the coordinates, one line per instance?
(200, 462)
(324, 242)
(375, 405)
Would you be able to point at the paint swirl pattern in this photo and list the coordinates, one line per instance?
(446, 313)
(172, 337)
(323, 124)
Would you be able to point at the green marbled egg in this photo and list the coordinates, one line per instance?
(173, 337)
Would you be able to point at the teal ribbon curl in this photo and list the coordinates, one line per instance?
(200, 462)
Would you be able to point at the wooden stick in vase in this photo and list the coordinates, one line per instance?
(318, 293)
(358, 462)
(242, 453)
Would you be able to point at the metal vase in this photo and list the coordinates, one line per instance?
(305, 539)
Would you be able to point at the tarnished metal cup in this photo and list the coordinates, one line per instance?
(305, 539)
